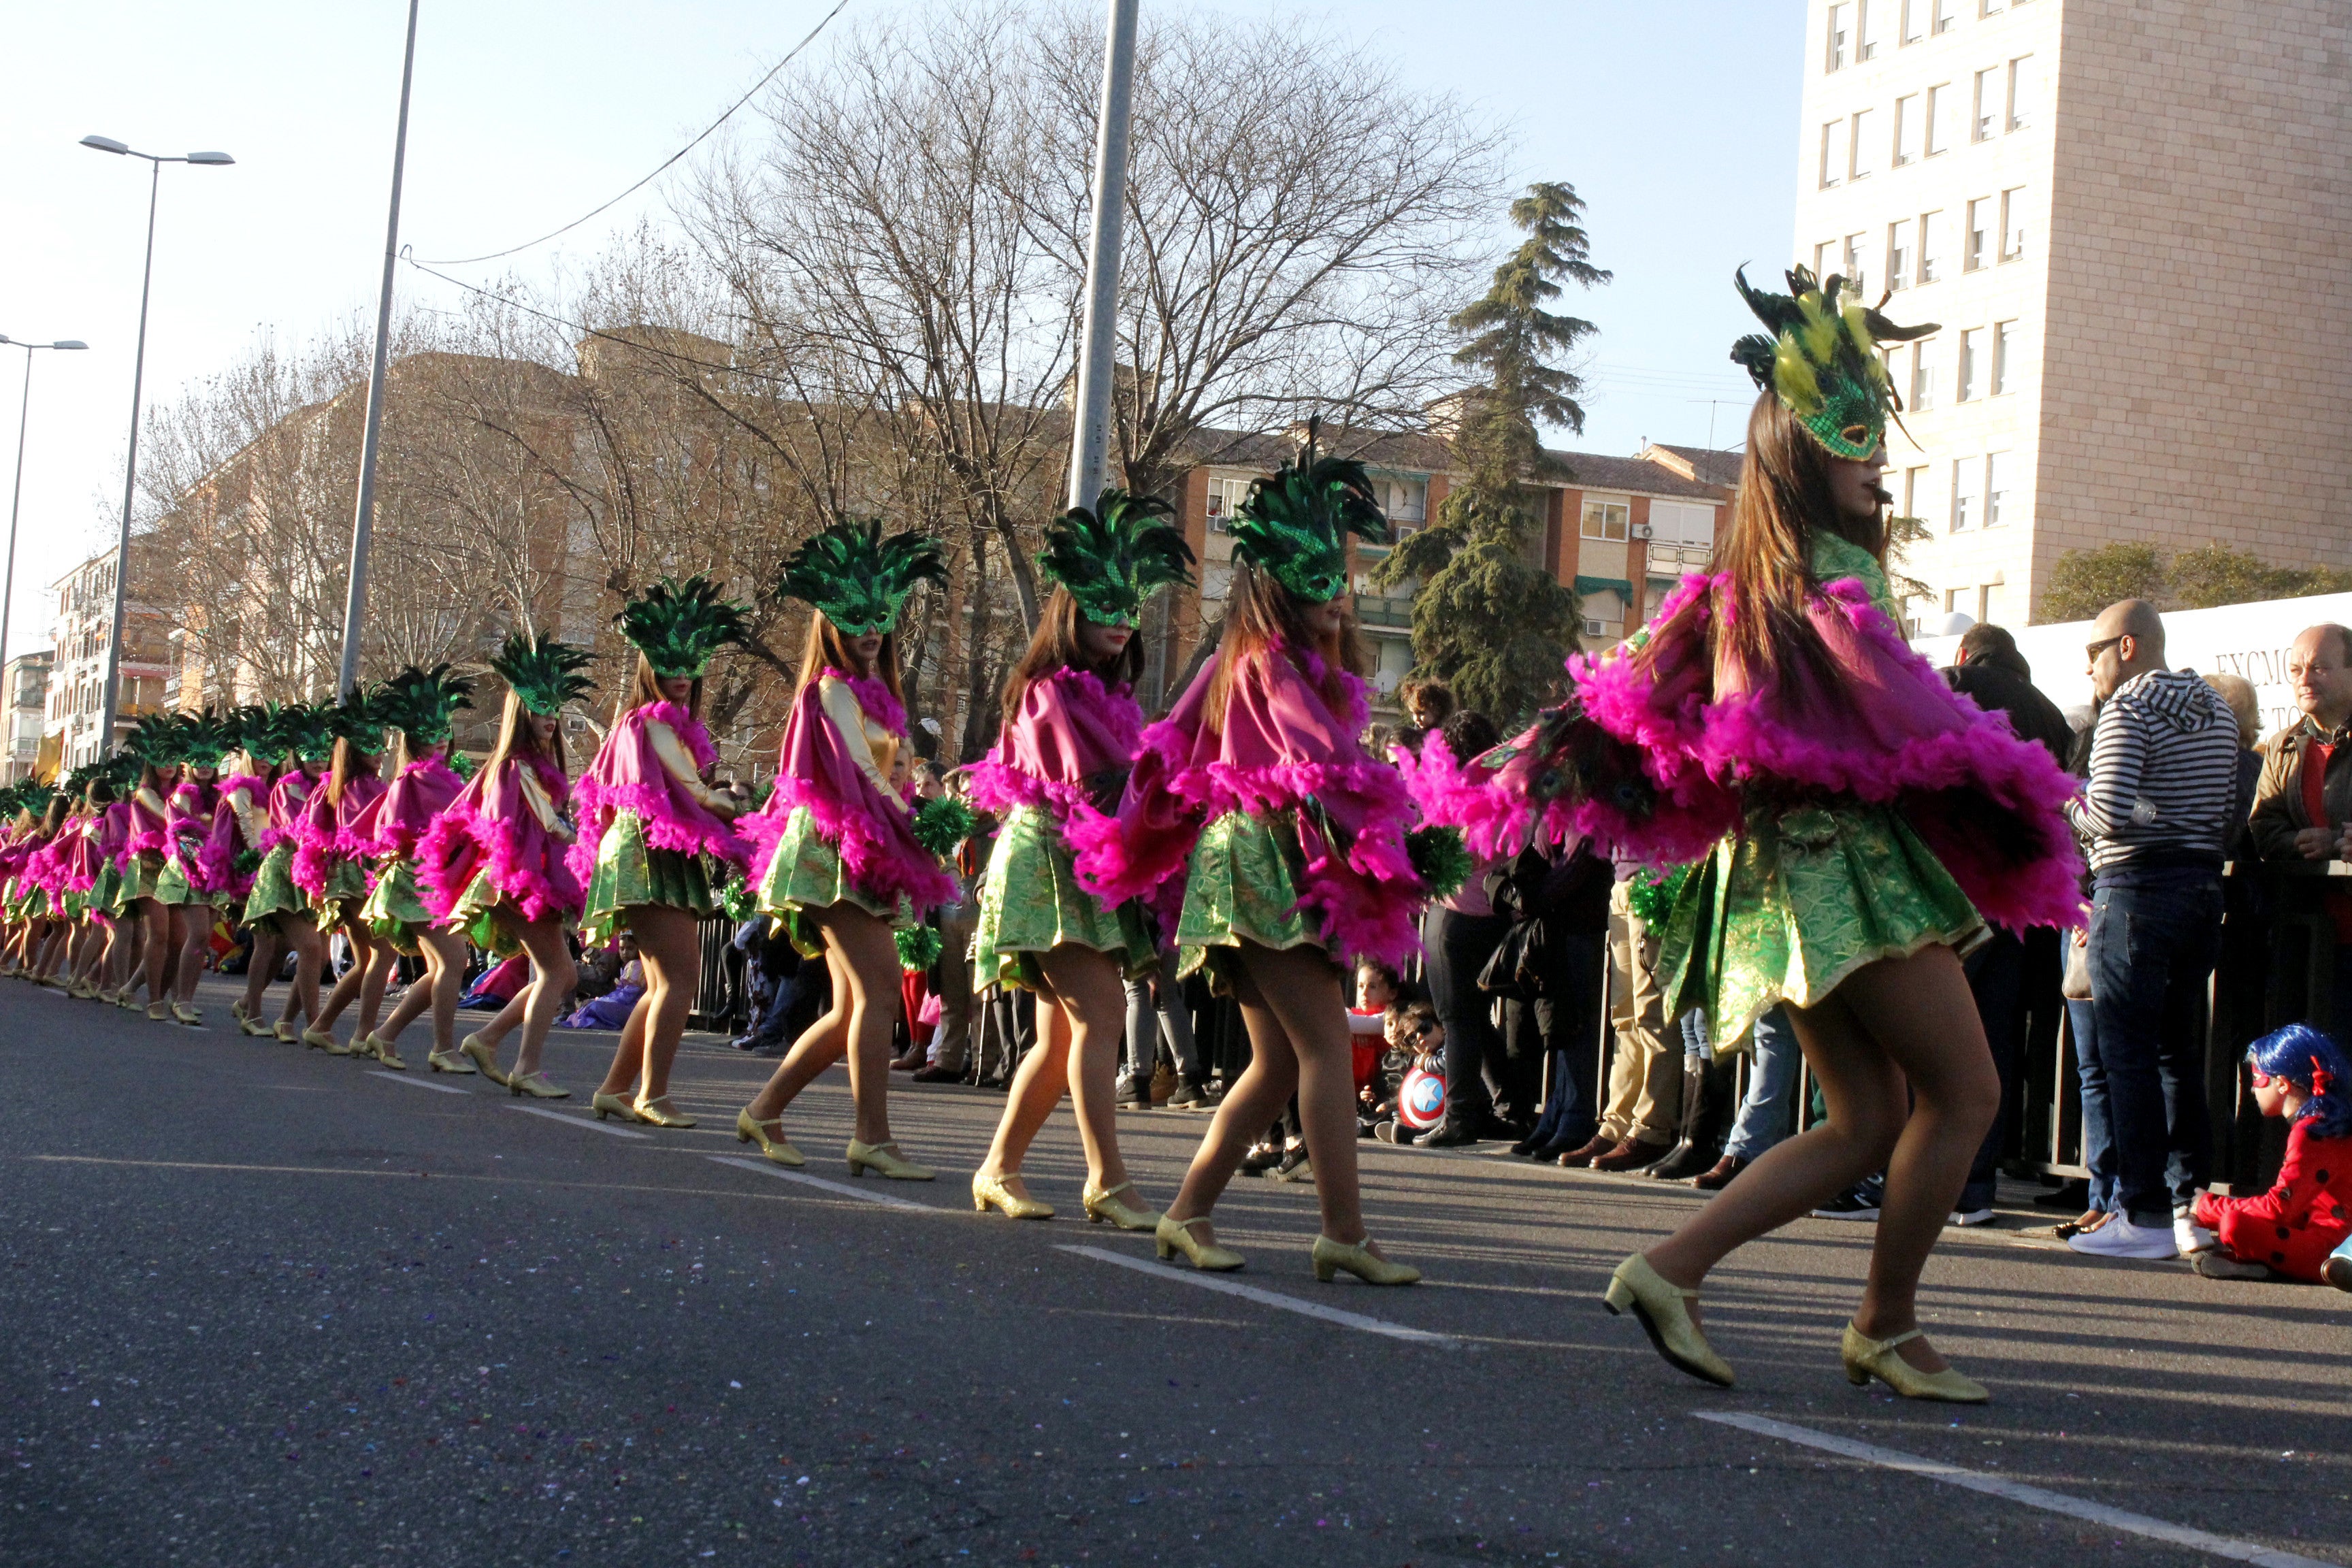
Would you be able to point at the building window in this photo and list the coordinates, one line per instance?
(1824, 257)
(1971, 352)
(1924, 370)
(2012, 223)
(1954, 599)
(1992, 602)
(1947, 15)
(2004, 335)
(1966, 502)
(1906, 129)
(1914, 493)
(1988, 105)
(1833, 154)
(2000, 468)
(1860, 144)
(2021, 92)
(1930, 240)
(1607, 519)
(1865, 35)
(1915, 20)
(1405, 502)
(1989, 8)
(1838, 15)
(1898, 255)
(1857, 263)
(1976, 239)
(1938, 128)
(1225, 497)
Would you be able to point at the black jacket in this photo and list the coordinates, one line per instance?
(2033, 716)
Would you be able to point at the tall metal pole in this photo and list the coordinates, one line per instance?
(15, 501)
(363, 514)
(129, 479)
(1090, 443)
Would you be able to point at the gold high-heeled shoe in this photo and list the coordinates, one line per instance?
(537, 1086)
(883, 1160)
(324, 1040)
(602, 1105)
(193, 1017)
(284, 1030)
(363, 1045)
(237, 1011)
(441, 1061)
(660, 1113)
(122, 997)
(1170, 1236)
(990, 1192)
(385, 1053)
(81, 991)
(777, 1148)
(1330, 1258)
(159, 1012)
(1103, 1206)
(1866, 1358)
(1658, 1306)
(483, 1055)
(257, 1028)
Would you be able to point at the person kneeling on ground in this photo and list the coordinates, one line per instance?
(2301, 1076)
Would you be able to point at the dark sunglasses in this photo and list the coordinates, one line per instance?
(2097, 649)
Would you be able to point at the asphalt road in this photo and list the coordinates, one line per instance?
(265, 1306)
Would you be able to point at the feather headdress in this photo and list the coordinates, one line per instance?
(1111, 557)
(859, 579)
(543, 673)
(1296, 524)
(254, 730)
(679, 626)
(154, 740)
(1819, 355)
(423, 704)
(307, 729)
(204, 738)
(358, 717)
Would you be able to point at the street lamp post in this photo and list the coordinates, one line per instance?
(138, 376)
(17, 496)
(1098, 350)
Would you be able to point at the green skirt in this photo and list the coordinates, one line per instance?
(104, 895)
(274, 892)
(474, 917)
(1030, 903)
(805, 874)
(32, 904)
(342, 896)
(172, 886)
(395, 911)
(1796, 902)
(1242, 884)
(138, 880)
(631, 872)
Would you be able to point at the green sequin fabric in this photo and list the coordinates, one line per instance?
(138, 879)
(630, 872)
(344, 895)
(274, 892)
(1242, 884)
(1030, 903)
(806, 874)
(104, 895)
(1807, 894)
(395, 911)
(474, 917)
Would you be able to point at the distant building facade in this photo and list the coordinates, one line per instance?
(24, 687)
(81, 629)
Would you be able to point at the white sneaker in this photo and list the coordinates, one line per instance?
(2188, 1234)
(2119, 1237)
(1971, 1216)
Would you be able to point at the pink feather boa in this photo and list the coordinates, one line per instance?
(628, 775)
(1071, 727)
(525, 863)
(216, 865)
(327, 833)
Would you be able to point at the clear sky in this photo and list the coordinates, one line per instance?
(1675, 118)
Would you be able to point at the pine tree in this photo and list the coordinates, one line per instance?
(1490, 624)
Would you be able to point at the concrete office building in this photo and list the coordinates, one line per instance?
(2133, 219)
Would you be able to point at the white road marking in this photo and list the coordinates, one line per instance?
(415, 1082)
(846, 1189)
(1225, 1286)
(571, 1121)
(2018, 1491)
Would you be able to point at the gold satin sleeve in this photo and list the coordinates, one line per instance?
(672, 753)
(849, 721)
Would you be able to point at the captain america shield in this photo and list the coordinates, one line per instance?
(1421, 1100)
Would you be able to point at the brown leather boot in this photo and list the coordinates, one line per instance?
(1631, 1155)
(1717, 1179)
(1577, 1158)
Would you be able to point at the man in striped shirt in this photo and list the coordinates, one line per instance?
(2154, 815)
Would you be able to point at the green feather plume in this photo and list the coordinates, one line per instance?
(1111, 557)
(423, 704)
(358, 717)
(154, 740)
(943, 822)
(206, 738)
(309, 730)
(1819, 355)
(1296, 524)
(918, 948)
(1438, 858)
(679, 626)
(859, 579)
(543, 673)
(1648, 895)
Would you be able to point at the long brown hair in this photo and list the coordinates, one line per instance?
(1055, 645)
(515, 735)
(1261, 613)
(347, 765)
(644, 689)
(54, 818)
(825, 647)
(1784, 498)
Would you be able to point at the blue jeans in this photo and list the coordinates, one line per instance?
(2091, 1076)
(1764, 1118)
(2155, 937)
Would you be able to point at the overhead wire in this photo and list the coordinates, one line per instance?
(706, 132)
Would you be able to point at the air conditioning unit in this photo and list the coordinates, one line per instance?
(1644, 530)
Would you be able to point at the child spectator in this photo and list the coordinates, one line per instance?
(1416, 1039)
(2300, 1075)
(1376, 993)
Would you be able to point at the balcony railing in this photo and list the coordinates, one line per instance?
(1372, 610)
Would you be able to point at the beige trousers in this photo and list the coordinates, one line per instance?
(1645, 1076)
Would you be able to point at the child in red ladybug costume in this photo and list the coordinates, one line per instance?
(2301, 1075)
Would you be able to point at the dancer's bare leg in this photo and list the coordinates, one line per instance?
(445, 965)
(822, 1044)
(552, 976)
(1092, 994)
(866, 1003)
(1909, 1084)
(261, 967)
(300, 933)
(348, 984)
(191, 929)
(1036, 1088)
(157, 956)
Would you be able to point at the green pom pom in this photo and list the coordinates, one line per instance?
(1650, 895)
(248, 862)
(737, 902)
(944, 822)
(918, 948)
(1440, 859)
(463, 764)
